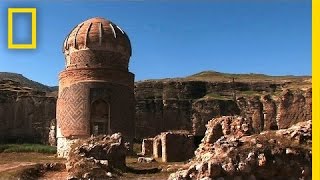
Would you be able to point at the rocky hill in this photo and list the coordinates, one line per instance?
(25, 82)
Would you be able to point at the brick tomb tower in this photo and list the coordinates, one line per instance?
(96, 90)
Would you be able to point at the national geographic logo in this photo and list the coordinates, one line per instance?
(33, 44)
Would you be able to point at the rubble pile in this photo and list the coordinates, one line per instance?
(99, 157)
(228, 151)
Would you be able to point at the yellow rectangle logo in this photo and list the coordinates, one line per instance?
(33, 12)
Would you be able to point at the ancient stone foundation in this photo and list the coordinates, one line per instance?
(52, 140)
(64, 146)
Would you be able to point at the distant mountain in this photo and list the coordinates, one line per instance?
(209, 76)
(23, 81)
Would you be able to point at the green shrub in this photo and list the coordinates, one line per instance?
(40, 148)
(218, 96)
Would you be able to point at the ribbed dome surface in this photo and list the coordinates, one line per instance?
(98, 34)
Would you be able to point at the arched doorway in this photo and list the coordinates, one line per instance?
(100, 117)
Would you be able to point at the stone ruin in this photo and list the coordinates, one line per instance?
(96, 90)
(147, 147)
(171, 146)
(100, 157)
(157, 147)
(176, 146)
(230, 150)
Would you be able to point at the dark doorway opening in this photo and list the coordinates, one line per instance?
(100, 117)
(197, 141)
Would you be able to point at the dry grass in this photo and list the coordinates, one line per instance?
(27, 148)
(6, 158)
(218, 96)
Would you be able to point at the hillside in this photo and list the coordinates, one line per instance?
(219, 76)
(288, 81)
(23, 81)
(206, 76)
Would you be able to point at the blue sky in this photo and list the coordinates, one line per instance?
(171, 38)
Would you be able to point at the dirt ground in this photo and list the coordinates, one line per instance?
(12, 164)
(54, 175)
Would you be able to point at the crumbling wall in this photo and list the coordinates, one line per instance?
(147, 147)
(173, 146)
(176, 146)
(227, 125)
(205, 109)
(157, 147)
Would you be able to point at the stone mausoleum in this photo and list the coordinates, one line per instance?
(96, 90)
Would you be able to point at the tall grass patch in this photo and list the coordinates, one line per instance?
(39, 148)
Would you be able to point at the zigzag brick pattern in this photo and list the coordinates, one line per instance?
(73, 111)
